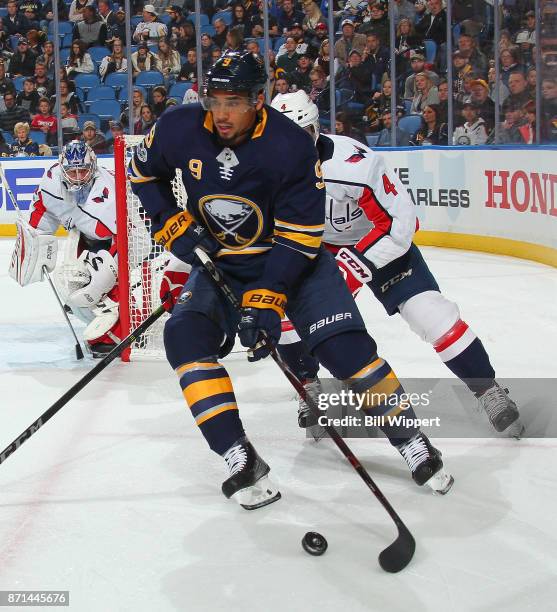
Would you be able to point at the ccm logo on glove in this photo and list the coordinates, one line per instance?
(355, 265)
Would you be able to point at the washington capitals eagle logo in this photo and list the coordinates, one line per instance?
(358, 156)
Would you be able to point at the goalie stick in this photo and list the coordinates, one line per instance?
(397, 555)
(78, 349)
(80, 384)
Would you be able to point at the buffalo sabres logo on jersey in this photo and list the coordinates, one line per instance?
(234, 221)
(358, 156)
(227, 160)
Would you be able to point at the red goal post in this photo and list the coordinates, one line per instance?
(141, 261)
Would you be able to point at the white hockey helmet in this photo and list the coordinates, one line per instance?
(78, 163)
(299, 107)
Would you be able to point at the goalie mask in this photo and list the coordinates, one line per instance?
(78, 164)
(299, 107)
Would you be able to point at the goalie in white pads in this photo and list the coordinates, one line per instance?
(79, 195)
(370, 223)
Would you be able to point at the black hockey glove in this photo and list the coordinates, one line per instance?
(259, 328)
(181, 234)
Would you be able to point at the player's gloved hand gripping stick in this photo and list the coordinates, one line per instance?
(396, 556)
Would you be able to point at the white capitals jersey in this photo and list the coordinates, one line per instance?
(367, 205)
(93, 215)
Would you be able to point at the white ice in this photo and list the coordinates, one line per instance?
(117, 499)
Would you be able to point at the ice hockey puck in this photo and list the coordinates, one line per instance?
(314, 543)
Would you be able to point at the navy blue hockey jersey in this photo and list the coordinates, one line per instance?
(266, 194)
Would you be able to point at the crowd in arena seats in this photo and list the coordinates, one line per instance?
(94, 100)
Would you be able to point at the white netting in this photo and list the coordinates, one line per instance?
(146, 262)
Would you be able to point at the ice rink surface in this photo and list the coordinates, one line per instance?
(118, 499)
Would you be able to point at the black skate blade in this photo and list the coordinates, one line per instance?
(399, 554)
(263, 503)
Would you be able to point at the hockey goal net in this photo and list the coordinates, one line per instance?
(141, 261)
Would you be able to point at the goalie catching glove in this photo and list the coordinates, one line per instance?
(181, 234)
(176, 273)
(32, 251)
(259, 328)
(102, 271)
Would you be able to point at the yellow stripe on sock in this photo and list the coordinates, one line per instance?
(197, 365)
(206, 388)
(368, 368)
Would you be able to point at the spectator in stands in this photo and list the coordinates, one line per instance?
(161, 101)
(525, 46)
(47, 14)
(22, 62)
(426, 94)
(382, 100)
(468, 47)
(509, 129)
(6, 84)
(318, 80)
(77, 8)
(443, 91)
(315, 39)
(375, 60)
(510, 61)
(348, 41)
(549, 110)
(91, 30)
(288, 16)
(461, 68)
(30, 9)
(14, 22)
(68, 95)
(28, 98)
(70, 127)
(433, 131)
(322, 60)
(45, 121)
(417, 64)
(35, 39)
(356, 76)
(185, 39)
(116, 131)
(150, 29)
(93, 138)
(137, 102)
(143, 60)
(528, 130)
(479, 93)
(378, 23)
(42, 80)
(176, 17)
(503, 89)
(4, 148)
(402, 138)
(518, 88)
(472, 131)
(288, 61)
(313, 17)
(300, 76)
(343, 127)
(118, 28)
(207, 46)
(115, 62)
(5, 43)
(168, 61)
(47, 58)
(433, 24)
(240, 21)
(221, 30)
(406, 41)
(106, 14)
(146, 120)
(23, 146)
(282, 85)
(79, 61)
(256, 23)
(188, 71)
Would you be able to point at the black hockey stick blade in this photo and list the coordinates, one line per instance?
(78, 351)
(399, 554)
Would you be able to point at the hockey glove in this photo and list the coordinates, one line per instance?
(355, 268)
(181, 234)
(174, 278)
(259, 328)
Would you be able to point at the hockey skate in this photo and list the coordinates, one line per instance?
(307, 419)
(248, 481)
(501, 411)
(426, 464)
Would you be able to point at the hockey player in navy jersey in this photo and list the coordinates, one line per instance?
(256, 202)
(370, 223)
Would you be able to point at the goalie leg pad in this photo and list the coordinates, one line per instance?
(32, 251)
(106, 314)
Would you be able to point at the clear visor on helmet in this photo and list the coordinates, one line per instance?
(78, 176)
(233, 104)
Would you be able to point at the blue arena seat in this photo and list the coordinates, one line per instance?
(149, 78)
(430, 50)
(226, 16)
(18, 83)
(178, 90)
(103, 92)
(37, 136)
(87, 81)
(98, 53)
(410, 123)
(372, 139)
(117, 80)
(208, 29)
(105, 109)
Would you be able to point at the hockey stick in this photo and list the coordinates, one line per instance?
(78, 350)
(80, 384)
(398, 554)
